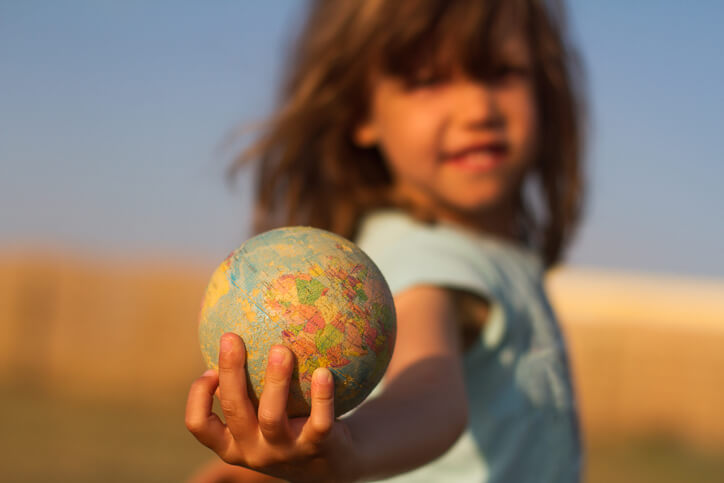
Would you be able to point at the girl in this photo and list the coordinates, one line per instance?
(444, 137)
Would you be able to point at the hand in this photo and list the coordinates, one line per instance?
(317, 448)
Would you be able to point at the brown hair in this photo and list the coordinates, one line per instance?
(311, 172)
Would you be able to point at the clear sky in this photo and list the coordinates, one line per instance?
(113, 114)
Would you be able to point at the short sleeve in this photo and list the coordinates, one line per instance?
(422, 259)
(409, 254)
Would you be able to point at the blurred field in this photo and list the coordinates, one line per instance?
(96, 358)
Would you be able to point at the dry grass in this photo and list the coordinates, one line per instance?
(62, 439)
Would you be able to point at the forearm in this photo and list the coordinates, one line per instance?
(217, 471)
(420, 414)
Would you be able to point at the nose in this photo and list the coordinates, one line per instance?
(477, 106)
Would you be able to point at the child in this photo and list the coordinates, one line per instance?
(444, 137)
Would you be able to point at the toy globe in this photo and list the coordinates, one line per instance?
(314, 292)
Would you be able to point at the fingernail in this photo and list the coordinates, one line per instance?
(225, 344)
(322, 377)
(209, 372)
(277, 355)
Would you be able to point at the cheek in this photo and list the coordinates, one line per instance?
(523, 122)
(529, 132)
(410, 142)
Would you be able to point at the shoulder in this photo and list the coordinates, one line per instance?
(410, 253)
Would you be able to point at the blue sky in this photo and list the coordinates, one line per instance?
(113, 115)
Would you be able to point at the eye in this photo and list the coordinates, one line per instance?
(425, 79)
(512, 72)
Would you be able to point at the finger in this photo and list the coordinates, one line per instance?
(200, 420)
(273, 421)
(321, 418)
(238, 409)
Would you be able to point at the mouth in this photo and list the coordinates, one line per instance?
(479, 157)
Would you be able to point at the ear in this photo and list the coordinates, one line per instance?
(366, 135)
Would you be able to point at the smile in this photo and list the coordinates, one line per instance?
(478, 159)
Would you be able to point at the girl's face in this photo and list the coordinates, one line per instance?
(457, 146)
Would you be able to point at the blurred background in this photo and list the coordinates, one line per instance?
(114, 211)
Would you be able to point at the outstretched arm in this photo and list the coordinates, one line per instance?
(423, 408)
(419, 415)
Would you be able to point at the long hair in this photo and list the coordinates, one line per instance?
(311, 172)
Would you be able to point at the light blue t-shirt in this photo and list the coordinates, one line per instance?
(522, 423)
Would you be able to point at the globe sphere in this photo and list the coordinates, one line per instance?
(314, 292)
